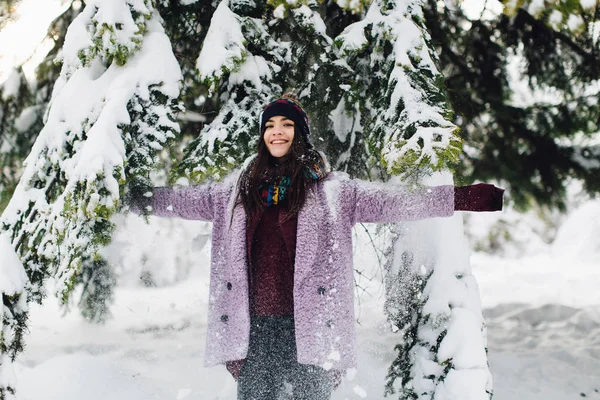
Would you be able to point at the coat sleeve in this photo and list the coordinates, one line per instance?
(187, 202)
(381, 202)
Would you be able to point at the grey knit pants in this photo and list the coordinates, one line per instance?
(271, 370)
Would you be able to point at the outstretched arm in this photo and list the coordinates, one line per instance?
(378, 202)
(187, 202)
(381, 202)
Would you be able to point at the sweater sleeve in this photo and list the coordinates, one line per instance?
(381, 202)
(187, 202)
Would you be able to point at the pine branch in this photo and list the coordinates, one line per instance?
(523, 17)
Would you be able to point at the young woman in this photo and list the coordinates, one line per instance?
(281, 304)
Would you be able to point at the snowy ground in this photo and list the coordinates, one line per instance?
(542, 309)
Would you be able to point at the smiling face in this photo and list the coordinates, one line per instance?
(278, 136)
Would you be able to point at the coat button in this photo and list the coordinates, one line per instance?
(321, 290)
(224, 318)
(229, 285)
(330, 324)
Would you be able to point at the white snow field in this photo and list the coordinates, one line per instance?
(542, 310)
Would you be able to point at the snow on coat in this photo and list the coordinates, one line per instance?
(323, 272)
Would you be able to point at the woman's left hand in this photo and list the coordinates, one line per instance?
(478, 197)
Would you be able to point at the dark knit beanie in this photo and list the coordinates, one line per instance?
(287, 106)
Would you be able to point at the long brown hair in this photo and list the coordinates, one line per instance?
(294, 165)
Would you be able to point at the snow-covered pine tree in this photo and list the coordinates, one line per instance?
(432, 298)
(20, 123)
(245, 67)
(112, 111)
(407, 114)
(21, 118)
(437, 311)
(97, 279)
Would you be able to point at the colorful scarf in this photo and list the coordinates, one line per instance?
(274, 189)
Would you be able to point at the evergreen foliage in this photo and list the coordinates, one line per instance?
(404, 291)
(98, 282)
(533, 139)
(405, 110)
(474, 60)
(22, 115)
(187, 25)
(14, 314)
(18, 119)
(59, 215)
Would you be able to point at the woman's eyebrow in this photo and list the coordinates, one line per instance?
(283, 119)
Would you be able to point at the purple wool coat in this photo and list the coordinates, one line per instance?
(323, 272)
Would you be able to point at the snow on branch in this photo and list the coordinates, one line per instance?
(112, 110)
(412, 121)
(244, 82)
(223, 48)
(13, 281)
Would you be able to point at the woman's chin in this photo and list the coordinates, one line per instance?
(279, 153)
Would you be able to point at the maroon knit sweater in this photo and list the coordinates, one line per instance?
(272, 252)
